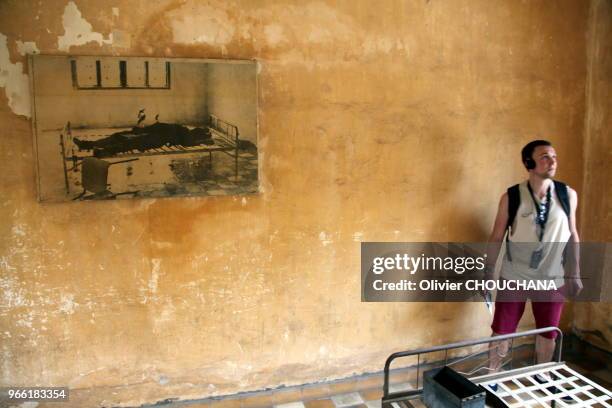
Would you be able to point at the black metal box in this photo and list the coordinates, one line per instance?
(445, 388)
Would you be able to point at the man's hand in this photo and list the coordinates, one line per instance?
(488, 299)
(489, 274)
(573, 286)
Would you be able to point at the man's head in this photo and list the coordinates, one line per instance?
(540, 158)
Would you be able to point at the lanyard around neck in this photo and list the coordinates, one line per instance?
(542, 210)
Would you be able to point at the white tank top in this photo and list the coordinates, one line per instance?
(524, 240)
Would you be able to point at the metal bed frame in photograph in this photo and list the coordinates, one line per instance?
(225, 135)
(516, 387)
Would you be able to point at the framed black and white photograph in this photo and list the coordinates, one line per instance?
(129, 127)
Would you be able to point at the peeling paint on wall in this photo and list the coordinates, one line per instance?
(67, 304)
(13, 295)
(319, 23)
(15, 83)
(274, 34)
(202, 24)
(77, 30)
(325, 238)
(27, 47)
(154, 276)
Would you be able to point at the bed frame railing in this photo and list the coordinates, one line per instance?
(226, 134)
(225, 130)
(229, 134)
(392, 397)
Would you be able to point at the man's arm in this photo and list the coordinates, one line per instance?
(572, 262)
(497, 236)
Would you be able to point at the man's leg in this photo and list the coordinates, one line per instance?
(545, 348)
(498, 350)
(546, 314)
(505, 321)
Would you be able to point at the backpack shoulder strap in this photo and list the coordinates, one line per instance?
(563, 195)
(514, 201)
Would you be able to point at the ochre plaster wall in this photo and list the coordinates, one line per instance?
(592, 320)
(399, 121)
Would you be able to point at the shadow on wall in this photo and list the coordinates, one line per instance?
(455, 221)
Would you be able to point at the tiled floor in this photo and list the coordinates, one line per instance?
(366, 391)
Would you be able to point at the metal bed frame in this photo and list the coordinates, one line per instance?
(516, 387)
(225, 135)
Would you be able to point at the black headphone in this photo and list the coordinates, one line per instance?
(529, 163)
(527, 153)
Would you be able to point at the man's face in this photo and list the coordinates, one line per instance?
(546, 161)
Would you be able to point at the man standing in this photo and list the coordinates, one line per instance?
(539, 216)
